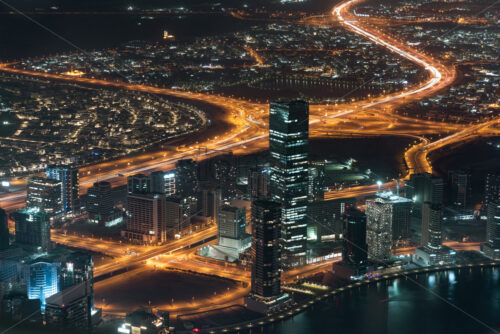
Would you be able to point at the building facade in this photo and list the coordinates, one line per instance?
(266, 226)
(100, 202)
(32, 228)
(146, 219)
(45, 194)
(288, 179)
(70, 186)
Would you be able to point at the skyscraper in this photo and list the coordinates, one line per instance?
(461, 188)
(423, 188)
(224, 175)
(146, 220)
(138, 184)
(70, 186)
(431, 225)
(169, 184)
(492, 247)
(186, 172)
(4, 230)
(432, 252)
(45, 194)
(288, 185)
(316, 182)
(32, 228)
(100, 202)
(492, 189)
(231, 223)
(157, 182)
(266, 227)
(354, 249)
(257, 183)
(43, 281)
(177, 214)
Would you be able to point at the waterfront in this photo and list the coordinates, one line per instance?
(404, 306)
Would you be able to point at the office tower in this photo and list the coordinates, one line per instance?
(77, 268)
(461, 188)
(431, 225)
(399, 217)
(231, 223)
(492, 189)
(209, 200)
(177, 214)
(266, 226)
(224, 175)
(423, 188)
(316, 182)
(70, 310)
(32, 228)
(45, 194)
(324, 218)
(4, 230)
(355, 250)
(432, 252)
(146, 221)
(139, 184)
(70, 195)
(169, 184)
(157, 182)
(100, 202)
(388, 223)
(492, 246)
(43, 281)
(288, 184)
(258, 183)
(186, 181)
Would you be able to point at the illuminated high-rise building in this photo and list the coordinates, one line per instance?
(316, 182)
(461, 188)
(288, 184)
(186, 180)
(146, 220)
(45, 194)
(492, 247)
(169, 184)
(231, 223)
(43, 281)
(32, 228)
(492, 189)
(70, 186)
(431, 225)
(432, 252)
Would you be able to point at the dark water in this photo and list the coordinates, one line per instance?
(21, 38)
(402, 306)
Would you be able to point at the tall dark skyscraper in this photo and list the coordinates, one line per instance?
(355, 250)
(32, 228)
(100, 202)
(492, 247)
(288, 185)
(70, 187)
(492, 189)
(461, 188)
(186, 177)
(257, 183)
(266, 227)
(423, 188)
(4, 230)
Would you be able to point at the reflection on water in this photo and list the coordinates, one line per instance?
(404, 306)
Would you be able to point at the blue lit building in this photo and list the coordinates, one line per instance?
(43, 281)
(288, 182)
(70, 193)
